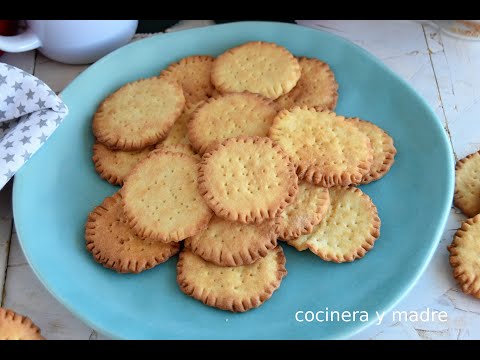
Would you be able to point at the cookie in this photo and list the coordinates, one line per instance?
(317, 87)
(227, 243)
(300, 243)
(382, 147)
(306, 211)
(115, 165)
(326, 149)
(258, 67)
(139, 114)
(14, 326)
(236, 289)
(114, 245)
(467, 185)
(161, 198)
(465, 256)
(181, 148)
(229, 116)
(178, 134)
(247, 179)
(193, 74)
(348, 230)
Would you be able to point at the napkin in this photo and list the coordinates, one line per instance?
(29, 113)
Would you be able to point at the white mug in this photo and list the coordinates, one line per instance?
(72, 41)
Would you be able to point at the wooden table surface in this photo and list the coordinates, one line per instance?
(444, 70)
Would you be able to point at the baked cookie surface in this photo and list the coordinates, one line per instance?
(258, 67)
(115, 165)
(247, 179)
(306, 211)
(465, 256)
(161, 198)
(139, 114)
(114, 245)
(228, 243)
(231, 115)
(14, 326)
(326, 149)
(236, 289)
(317, 87)
(348, 230)
(467, 184)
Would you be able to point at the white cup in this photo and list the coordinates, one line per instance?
(71, 41)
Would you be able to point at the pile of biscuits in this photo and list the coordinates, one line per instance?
(465, 247)
(229, 155)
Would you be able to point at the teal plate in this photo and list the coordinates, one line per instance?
(54, 192)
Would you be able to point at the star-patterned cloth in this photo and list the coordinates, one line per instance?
(29, 113)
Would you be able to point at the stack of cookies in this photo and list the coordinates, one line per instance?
(229, 155)
(465, 247)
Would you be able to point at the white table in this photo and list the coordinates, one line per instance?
(445, 71)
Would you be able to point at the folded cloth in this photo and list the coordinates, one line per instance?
(29, 113)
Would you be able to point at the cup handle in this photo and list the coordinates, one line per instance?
(20, 43)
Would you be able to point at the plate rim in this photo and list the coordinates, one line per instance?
(436, 238)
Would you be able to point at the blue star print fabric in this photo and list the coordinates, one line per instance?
(29, 113)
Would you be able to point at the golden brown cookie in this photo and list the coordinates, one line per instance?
(139, 114)
(115, 165)
(467, 184)
(382, 147)
(465, 256)
(300, 243)
(193, 74)
(14, 326)
(247, 179)
(161, 197)
(227, 243)
(229, 116)
(306, 211)
(317, 87)
(258, 67)
(114, 245)
(348, 230)
(236, 289)
(326, 149)
(179, 132)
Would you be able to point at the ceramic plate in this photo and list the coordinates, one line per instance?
(55, 191)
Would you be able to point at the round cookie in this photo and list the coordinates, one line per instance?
(326, 149)
(228, 116)
(465, 256)
(382, 147)
(306, 211)
(114, 245)
(115, 165)
(258, 67)
(139, 114)
(161, 198)
(236, 289)
(193, 74)
(348, 230)
(317, 87)
(14, 326)
(467, 185)
(247, 179)
(227, 243)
